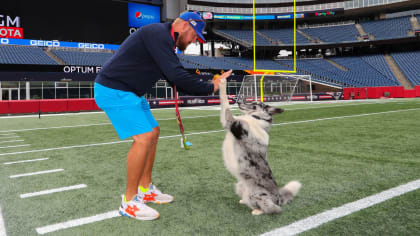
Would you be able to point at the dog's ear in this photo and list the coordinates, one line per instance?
(275, 110)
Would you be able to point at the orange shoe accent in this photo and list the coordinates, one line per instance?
(149, 197)
(131, 210)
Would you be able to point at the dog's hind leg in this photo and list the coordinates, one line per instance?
(240, 190)
(262, 203)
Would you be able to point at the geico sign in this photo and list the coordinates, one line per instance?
(45, 43)
(4, 41)
(91, 45)
(8, 21)
(11, 32)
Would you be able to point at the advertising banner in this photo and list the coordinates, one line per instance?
(141, 14)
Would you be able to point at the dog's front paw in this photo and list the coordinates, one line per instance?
(241, 201)
(257, 212)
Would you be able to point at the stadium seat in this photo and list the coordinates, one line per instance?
(24, 55)
(82, 58)
(388, 28)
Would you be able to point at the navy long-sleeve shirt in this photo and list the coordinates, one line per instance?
(145, 57)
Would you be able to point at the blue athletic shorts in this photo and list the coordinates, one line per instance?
(129, 114)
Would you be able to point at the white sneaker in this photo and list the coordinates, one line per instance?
(156, 196)
(137, 209)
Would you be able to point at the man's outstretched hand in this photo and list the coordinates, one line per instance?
(217, 79)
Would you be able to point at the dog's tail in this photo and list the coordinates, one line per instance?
(289, 191)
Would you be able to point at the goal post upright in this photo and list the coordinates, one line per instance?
(254, 42)
(256, 70)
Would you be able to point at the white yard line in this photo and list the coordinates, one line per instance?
(2, 225)
(55, 190)
(87, 125)
(60, 148)
(343, 117)
(24, 161)
(23, 145)
(7, 133)
(207, 132)
(12, 141)
(9, 137)
(344, 210)
(77, 222)
(58, 127)
(36, 173)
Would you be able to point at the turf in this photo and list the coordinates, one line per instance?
(340, 152)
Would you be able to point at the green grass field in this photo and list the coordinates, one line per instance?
(341, 152)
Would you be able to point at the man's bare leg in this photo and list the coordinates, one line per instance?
(136, 161)
(146, 177)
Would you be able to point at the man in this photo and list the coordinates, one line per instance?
(144, 57)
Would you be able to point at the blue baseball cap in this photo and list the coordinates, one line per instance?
(196, 22)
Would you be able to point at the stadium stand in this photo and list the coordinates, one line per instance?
(235, 63)
(204, 62)
(388, 28)
(379, 63)
(408, 62)
(24, 55)
(246, 36)
(358, 73)
(82, 58)
(361, 72)
(285, 36)
(334, 34)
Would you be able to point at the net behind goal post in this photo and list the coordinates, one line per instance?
(273, 88)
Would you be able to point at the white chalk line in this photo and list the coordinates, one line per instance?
(344, 210)
(12, 141)
(24, 161)
(23, 145)
(206, 132)
(343, 117)
(99, 124)
(36, 173)
(7, 133)
(55, 190)
(2, 225)
(99, 144)
(60, 148)
(9, 137)
(77, 222)
(58, 127)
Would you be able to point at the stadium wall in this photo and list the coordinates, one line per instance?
(380, 92)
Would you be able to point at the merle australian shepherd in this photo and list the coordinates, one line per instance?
(245, 155)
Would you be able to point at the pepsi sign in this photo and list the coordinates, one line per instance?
(141, 14)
